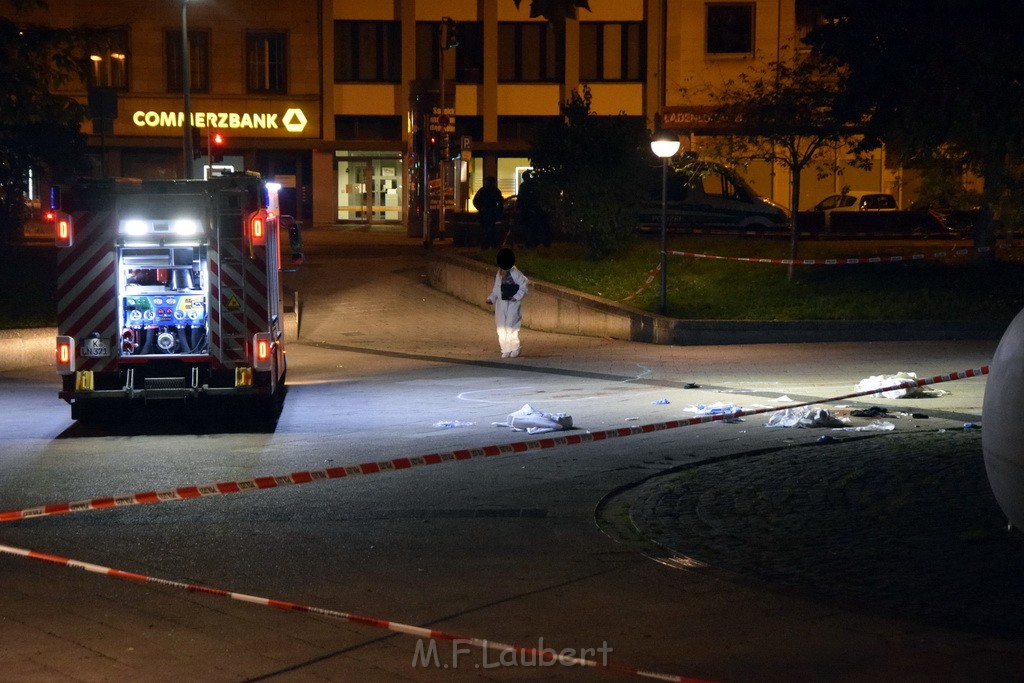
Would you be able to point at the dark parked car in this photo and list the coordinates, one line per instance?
(707, 195)
(957, 222)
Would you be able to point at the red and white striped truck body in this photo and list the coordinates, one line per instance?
(168, 291)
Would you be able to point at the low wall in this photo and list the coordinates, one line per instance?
(551, 308)
(27, 347)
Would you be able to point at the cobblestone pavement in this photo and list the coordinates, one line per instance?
(902, 523)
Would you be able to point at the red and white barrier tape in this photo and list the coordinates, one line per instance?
(837, 261)
(646, 284)
(811, 262)
(309, 476)
(537, 654)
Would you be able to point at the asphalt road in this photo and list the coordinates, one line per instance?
(506, 548)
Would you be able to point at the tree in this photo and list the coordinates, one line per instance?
(592, 173)
(784, 112)
(38, 129)
(936, 77)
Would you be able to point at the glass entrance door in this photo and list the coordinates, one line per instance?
(370, 187)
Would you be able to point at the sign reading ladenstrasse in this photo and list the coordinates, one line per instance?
(698, 118)
(291, 121)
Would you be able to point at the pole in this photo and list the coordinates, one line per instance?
(425, 166)
(664, 228)
(444, 134)
(186, 86)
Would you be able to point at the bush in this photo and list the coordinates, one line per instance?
(593, 175)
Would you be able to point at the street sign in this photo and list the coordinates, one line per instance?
(442, 120)
(467, 143)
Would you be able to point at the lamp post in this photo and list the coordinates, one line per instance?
(186, 86)
(664, 144)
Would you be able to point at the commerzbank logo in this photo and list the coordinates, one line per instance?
(292, 121)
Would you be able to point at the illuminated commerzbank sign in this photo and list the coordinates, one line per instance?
(292, 121)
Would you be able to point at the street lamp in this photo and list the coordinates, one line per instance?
(186, 87)
(664, 144)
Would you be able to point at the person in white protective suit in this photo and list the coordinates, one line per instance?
(510, 287)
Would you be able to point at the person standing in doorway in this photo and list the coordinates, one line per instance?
(510, 287)
(489, 202)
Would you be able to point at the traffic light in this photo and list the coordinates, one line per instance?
(217, 143)
(433, 150)
(450, 33)
(197, 142)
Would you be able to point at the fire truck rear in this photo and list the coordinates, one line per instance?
(168, 293)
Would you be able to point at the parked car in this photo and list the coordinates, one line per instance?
(706, 195)
(858, 200)
(865, 213)
(958, 222)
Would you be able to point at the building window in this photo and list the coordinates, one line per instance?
(730, 28)
(529, 52)
(612, 51)
(520, 128)
(363, 127)
(469, 53)
(367, 51)
(110, 60)
(266, 65)
(199, 61)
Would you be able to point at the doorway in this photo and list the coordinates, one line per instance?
(370, 187)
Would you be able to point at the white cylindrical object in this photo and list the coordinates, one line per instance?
(1003, 418)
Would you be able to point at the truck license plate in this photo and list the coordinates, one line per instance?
(95, 348)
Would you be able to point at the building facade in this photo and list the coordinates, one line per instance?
(254, 71)
(393, 67)
(352, 105)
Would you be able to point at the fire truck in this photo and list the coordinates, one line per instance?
(169, 294)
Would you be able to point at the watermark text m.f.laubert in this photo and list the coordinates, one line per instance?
(483, 655)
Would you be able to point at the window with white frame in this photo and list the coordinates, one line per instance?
(110, 60)
(266, 64)
(367, 51)
(612, 51)
(198, 58)
(529, 52)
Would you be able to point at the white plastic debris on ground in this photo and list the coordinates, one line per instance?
(874, 426)
(804, 417)
(531, 421)
(717, 409)
(451, 424)
(889, 381)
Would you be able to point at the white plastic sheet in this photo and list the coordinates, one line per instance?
(887, 381)
(531, 421)
(727, 409)
(804, 417)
